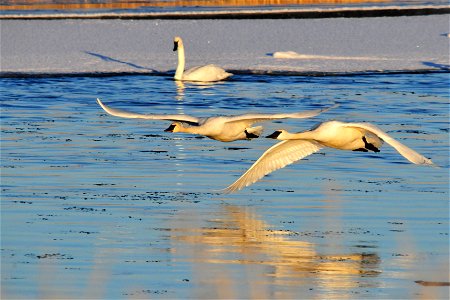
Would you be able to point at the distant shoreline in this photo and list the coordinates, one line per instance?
(169, 74)
(304, 13)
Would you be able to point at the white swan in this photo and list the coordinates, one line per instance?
(220, 128)
(295, 146)
(206, 73)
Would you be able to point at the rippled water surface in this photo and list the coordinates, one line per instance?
(95, 206)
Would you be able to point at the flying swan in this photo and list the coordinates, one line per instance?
(205, 74)
(334, 134)
(220, 128)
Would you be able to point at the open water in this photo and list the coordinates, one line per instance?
(95, 206)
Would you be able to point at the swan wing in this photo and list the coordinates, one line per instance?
(192, 70)
(126, 114)
(276, 157)
(255, 118)
(407, 152)
(210, 68)
(206, 73)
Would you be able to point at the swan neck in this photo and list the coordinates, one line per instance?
(191, 130)
(181, 63)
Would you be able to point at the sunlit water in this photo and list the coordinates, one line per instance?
(95, 206)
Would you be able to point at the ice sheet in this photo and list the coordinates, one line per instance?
(340, 45)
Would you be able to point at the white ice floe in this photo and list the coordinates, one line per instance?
(295, 55)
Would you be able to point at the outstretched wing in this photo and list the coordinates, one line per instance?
(407, 152)
(276, 157)
(255, 118)
(126, 114)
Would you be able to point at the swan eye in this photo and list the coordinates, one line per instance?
(175, 45)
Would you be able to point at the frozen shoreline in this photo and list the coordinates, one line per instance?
(324, 46)
(244, 13)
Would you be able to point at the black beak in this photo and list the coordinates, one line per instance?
(274, 135)
(170, 128)
(175, 46)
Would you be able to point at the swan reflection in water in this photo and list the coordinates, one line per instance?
(200, 85)
(264, 259)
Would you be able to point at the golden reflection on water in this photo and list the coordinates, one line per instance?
(269, 257)
(51, 5)
(199, 85)
(180, 90)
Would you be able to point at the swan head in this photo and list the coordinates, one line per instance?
(177, 42)
(174, 127)
(278, 135)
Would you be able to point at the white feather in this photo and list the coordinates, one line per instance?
(276, 157)
(333, 134)
(221, 128)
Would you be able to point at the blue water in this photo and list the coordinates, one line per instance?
(95, 206)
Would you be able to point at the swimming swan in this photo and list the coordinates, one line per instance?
(205, 73)
(220, 128)
(334, 134)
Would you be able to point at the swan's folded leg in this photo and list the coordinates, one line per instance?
(253, 132)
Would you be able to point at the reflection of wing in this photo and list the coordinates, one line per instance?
(276, 157)
(237, 235)
(407, 152)
(254, 118)
(126, 114)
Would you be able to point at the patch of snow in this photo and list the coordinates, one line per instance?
(144, 46)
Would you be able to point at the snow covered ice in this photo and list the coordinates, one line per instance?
(340, 45)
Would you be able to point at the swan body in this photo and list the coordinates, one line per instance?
(206, 73)
(334, 134)
(220, 128)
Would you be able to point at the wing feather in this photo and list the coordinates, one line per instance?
(254, 118)
(407, 152)
(276, 157)
(126, 114)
